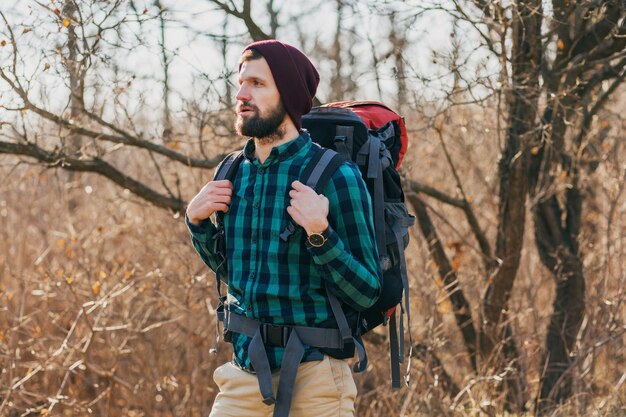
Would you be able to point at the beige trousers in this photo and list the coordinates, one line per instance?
(323, 389)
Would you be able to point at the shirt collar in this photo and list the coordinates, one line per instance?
(279, 153)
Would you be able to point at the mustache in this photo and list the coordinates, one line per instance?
(245, 106)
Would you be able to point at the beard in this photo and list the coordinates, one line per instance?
(266, 129)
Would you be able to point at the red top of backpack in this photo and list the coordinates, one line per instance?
(375, 115)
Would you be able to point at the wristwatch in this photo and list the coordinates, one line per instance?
(317, 240)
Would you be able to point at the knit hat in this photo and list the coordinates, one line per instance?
(295, 76)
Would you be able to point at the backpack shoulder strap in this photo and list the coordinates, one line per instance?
(225, 171)
(316, 175)
(229, 166)
(321, 168)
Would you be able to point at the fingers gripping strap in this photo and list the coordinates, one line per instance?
(316, 175)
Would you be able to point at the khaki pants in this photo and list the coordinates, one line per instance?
(323, 389)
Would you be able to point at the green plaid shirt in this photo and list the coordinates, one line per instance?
(280, 282)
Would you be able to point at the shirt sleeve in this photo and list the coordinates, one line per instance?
(349, 258)
(202, 238)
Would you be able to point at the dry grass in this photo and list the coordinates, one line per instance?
(105, 308)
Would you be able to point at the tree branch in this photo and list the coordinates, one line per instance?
(256, 33)
(462, 309)
(600, 31)
(98, 166)
(490, 263)
(123, 137)
(418, 187)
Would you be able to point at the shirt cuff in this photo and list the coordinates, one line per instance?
(329, 251)
(201, 232)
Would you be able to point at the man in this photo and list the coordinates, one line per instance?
(279, 286)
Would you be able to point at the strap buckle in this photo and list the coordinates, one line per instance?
(275, 335)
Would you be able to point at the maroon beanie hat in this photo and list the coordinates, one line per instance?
(295, 76)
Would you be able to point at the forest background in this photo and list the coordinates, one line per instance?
(114, 113)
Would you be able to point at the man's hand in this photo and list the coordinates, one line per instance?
(214, 196)
(308, 209)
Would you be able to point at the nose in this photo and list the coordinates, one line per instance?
(243, 94)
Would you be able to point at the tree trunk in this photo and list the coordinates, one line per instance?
(557, 230)
(337, 81)
(73, 66)
(569, 304)
(398, 45)
(167, 134)
(513, 171)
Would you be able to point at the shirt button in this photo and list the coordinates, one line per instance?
(261, 171)
(256, 204)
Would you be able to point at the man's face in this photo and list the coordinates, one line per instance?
(260, 111)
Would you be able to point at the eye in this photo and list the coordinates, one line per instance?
(256, 83)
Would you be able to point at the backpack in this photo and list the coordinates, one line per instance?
(375, 138)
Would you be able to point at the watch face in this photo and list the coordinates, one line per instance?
(316, 239)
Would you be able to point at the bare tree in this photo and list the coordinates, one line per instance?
(84, 120)
(245, 15)
(558, 65)
(542, 158)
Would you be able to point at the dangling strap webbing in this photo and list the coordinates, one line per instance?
(394, 351)
(401, 331)
(261, 364)
(346, 332)
(342, 322)
(400, 229)
(292, 356)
